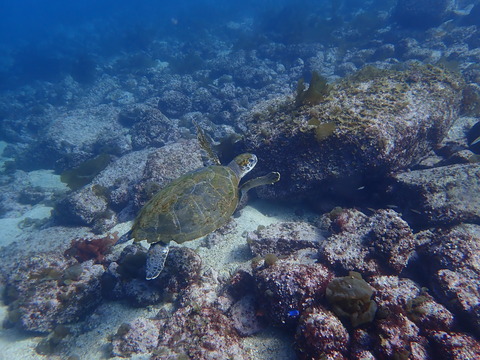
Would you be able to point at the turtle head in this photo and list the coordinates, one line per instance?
(243, 163)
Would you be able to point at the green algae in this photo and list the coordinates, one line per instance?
(350, 298)
(316, 92)
(85, 172)
(353, 104)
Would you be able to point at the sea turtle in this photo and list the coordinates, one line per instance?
(194, 205)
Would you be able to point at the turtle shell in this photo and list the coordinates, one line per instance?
(190, 207)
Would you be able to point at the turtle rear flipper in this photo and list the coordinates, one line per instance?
(268, 179)
(156, 256)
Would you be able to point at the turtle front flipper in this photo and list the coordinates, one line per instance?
(156, 256)
(268, 179)
(206, 145)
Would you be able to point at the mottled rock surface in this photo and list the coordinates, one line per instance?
(284, 238)
(286, 288)
(149, 127)
(403, 296)
(443, 195)
(47, 290)
(451, 256)
(368, 125)
(139, 336)
(368, 244)
(321, 335)
(74, 136)
(455, 346)
(203, 333)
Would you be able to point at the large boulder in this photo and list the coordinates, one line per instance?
(364, 127)
(442, 195)
(130, 180)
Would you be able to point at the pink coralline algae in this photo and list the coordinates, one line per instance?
(321, 335)
(139, 336)
(286, 286)
(454, 346)
(452, 258)
(204, 333)
(370, 245)
(47, 290)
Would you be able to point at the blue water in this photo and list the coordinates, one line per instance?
(41, 39)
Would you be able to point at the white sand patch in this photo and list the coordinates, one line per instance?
(270, 344)
(11, 228)
(14, 345)
(103, 323)
(46, 179)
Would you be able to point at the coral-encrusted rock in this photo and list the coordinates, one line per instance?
(284, 238)
(139, 336)
(452, 259)
(149, 126)
(166, 164)
(286, 288)
(199, 333)
(125, 278)
(455, 248)
(460, 290)
(73, 136)
(442, 195)
(111, 189)
(135, 177)
(244, 317)
(174, 103)
(321, 335)
(361, 345)
(83, 207)
(454, 346)
(399, 335)
(395, 295)
(368, 244)
(367, 126)
(46, 290)
(407, 313)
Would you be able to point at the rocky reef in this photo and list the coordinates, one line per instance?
(369, 125)
(440, 195)
(48, 290)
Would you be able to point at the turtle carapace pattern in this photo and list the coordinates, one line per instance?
(193, 206)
